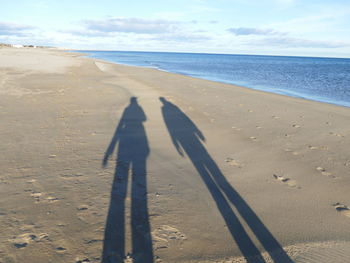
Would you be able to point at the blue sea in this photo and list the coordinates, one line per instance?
(320, 79)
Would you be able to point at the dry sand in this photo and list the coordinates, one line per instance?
(212, 173)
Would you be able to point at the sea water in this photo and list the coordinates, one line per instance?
(320, 79)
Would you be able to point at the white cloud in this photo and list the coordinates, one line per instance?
(143, 30)
(244, 31)
(288, 42)
(13, 29)
(130, 25)
(185, 37)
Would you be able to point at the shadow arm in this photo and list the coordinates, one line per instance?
(178, 147)
(112, 145)
(200, 135)
(196, 131)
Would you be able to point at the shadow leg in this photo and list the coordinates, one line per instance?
(141, 230)
(262, 233)
(243, 241)
(114, 243)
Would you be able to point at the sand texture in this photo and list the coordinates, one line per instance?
(110, 163)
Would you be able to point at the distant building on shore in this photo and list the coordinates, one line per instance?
(5, 45)
(22, 46)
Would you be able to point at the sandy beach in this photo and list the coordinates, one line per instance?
(110, 163)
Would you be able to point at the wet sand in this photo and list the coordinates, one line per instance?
(110, 163)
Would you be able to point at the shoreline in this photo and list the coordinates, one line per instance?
(230, 172)
(265, 88)
(107, 50)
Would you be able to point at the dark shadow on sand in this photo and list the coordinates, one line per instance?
(132, 151)
(187, 138)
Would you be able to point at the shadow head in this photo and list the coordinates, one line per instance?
(133, 100)
(163, 100)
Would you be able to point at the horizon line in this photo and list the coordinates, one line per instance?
(206, 53)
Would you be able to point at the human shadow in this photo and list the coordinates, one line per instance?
(187, 138)
(131, 140)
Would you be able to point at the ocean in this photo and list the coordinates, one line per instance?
(320, 79)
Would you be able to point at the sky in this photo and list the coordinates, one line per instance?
(268, 27)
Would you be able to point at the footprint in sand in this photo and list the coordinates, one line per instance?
(38, 196)
(32, 181)
(235, 128)
(83, 207)
(23, 240)
(312, 147)
(163, 236)
(343, 209)
(285, 180)
(291, 151)
(59, 246)
(233, 162)
(60, 249)
(324, 172)
(52, 199)
(82, 260)
(87, 214)
(337, 134)
(71, 176)
(321, 169)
